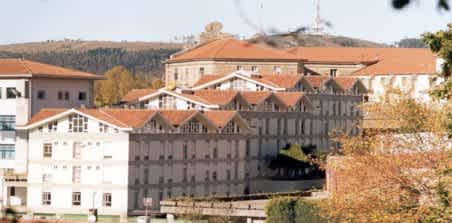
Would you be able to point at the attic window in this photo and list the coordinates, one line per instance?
(254, 69)
(78, 123)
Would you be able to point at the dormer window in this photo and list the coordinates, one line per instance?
(192, 126)
(78, 123)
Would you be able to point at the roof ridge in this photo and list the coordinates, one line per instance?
(222, 47)
(105, 113)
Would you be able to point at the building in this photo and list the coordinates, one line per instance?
(409, 71)
(110, 159)
(223, 56)
(279, 110)
(25, 88)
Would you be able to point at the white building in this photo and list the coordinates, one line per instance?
(25, 88)
(110, 159)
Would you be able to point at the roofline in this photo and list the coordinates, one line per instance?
(63, 114)
(161, 90)
(364, 62)
(50, 76)
(170, 61)
(226, 77)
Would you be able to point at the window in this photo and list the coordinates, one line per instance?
(76, 198)
(146, 176)
(254, 69)
(176, 75)
(76, 173)
(11, 93)
(106, 199)
(333, 72)
(66, 96)
(192, 126)
(215, 153)
(46, 178)
(201, 70)
(0, 92)
(185, 151)
(7, 152)
(41, 94)
(27, 89)
(77, 151)
(60, 95)
(103, 127)
(78, 123)
(82, 96)
(7, 122)
(47, 150)
(277, 69)
(228, 174)
(52, 127)
(239, 67)
(184, 173)
(207, 177)
(214, 175)
(46, 198)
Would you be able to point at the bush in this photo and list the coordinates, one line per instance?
(292, 210)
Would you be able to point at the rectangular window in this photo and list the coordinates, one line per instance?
(146, 176)
(76, 198)
(106, 199)
(41, 94)
(11, 93)
(46, 178)
(7, 122)
(76, 173)
(277, 69)
(82, 96)
(46, 198)
(77, 151)
(7, 152)
(27, 89)
(66, 96)
(78, 123)
(201, 71)
(333, 72)
(60, 95)
(47, 150)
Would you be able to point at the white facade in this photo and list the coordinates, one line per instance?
(416, 86)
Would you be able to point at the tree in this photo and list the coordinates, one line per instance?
(118, 82)
(400, 4)
(399, 175)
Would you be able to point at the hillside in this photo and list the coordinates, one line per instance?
(141, 58)
(287, 41)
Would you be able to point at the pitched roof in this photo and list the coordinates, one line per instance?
(207, 78)
(377, 60)
(45, 113)
(27, 68)
(289, 98)
(232, 49)
(177, 117)
(255, 97)
(123, 118)
(216, 96)
(346, 82)
(135, 94)
(282, 80)
(316, 81)
(219, 118)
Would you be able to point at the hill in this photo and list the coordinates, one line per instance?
(142, 58)
(290, 40)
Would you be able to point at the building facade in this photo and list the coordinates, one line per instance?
(25, 88)
(110, 159)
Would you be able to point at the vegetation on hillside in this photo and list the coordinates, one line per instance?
(293, 210)
(147, 62)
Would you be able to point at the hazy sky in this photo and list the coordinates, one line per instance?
(162, 20)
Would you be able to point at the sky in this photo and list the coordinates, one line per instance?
(163, 20)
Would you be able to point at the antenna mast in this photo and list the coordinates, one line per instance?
(318, 20)
(261, 9)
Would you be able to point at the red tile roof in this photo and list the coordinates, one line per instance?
(21, 68)
(255, 97)
(289, 98)
(219, 118)
(135, 94)
(207, 78)
(232, 49)
(316, 81)
(378, 60)
(216, 96)
(282, 80)
(346, 82)
(177, 117)
(45, 113)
